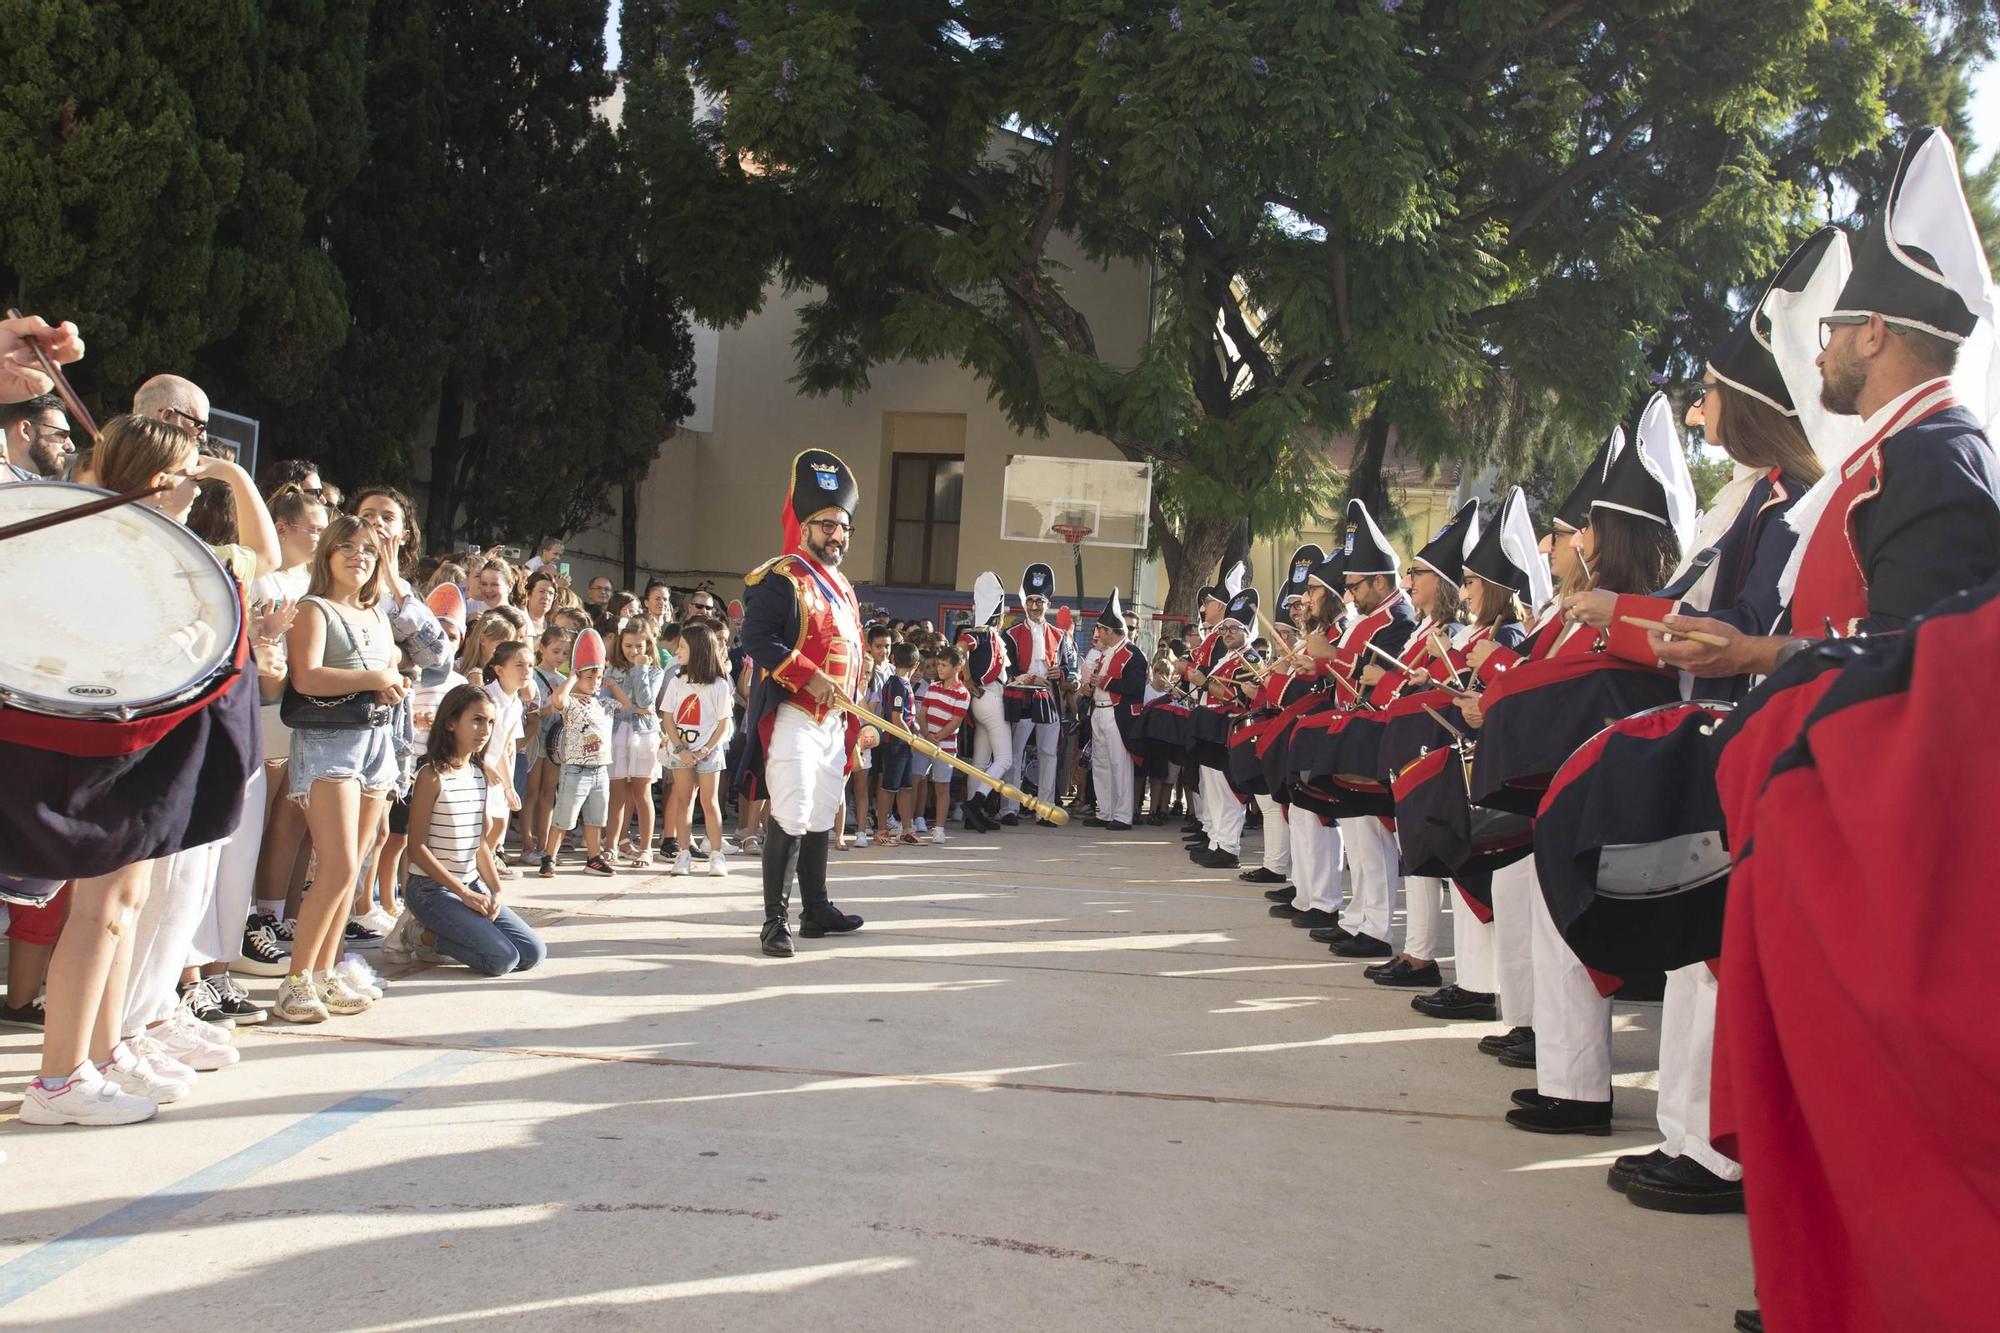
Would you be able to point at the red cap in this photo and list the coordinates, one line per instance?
(588, 652)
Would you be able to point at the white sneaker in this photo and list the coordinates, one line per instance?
(298, 1001)
(683, 864)
(506, 871)
(637, 860)
(718, 864)
(405, 940)
(88, 1098)
(922, 825)
(130, 1074)
(210, 1032)
(937, 834)
(360, 978)
(192, 1048)
(162, 1061)
(377, 920)
(861, 838)
(339, 997)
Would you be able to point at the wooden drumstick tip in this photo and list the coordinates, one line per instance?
(1662, 628)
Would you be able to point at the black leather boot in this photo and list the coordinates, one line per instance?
(817, 916)
(781, 855)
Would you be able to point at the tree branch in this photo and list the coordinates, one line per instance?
(1525, 211)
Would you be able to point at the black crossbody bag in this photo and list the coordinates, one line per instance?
(332, 712)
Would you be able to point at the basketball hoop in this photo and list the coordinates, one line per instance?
(1072, 533)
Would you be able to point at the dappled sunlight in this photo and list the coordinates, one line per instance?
(1270, 1004)
(1260, 967)
(1600, 1159)
(1456, 1032)
(664, 1003)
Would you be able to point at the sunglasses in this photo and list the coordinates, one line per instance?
(193, 424)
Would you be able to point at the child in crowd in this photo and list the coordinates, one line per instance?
(583, 750)
(454, 889)
(697, 708)
(892, 756)
(508, 673)
(1160, 682)
(433, 684)
(670, 646)
(943, 711)
(551, 659)
(635, 682)
(486, 633)
(875, 677)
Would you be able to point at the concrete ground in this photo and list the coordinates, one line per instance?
(1062, 1080)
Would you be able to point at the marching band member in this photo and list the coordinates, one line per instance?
(1284, 685)
(985, 667)
(1230, 685)
(802, 626)
(1041, 660)
(1504, 575)
(1116, 690)
(1314, 833)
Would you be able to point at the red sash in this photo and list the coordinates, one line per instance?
(1833, 587)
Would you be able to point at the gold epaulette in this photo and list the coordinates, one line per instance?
(756, 576)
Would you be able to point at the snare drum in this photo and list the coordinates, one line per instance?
(167, 626)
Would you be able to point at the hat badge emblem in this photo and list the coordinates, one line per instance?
(827, 476)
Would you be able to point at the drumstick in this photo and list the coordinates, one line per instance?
(49, 520)
(1055, 814)
(54, 372)
(1439, 718)
(1392, 660)
(1443, 651)
(1693, 635)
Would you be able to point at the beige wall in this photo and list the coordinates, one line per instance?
(709, 507)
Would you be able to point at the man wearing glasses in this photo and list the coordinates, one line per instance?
(38, 439)
(802, 626)
(175, 400)
(701, 604)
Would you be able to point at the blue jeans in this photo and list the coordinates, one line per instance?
(497, 947)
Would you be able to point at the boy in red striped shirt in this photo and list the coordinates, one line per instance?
(941, 712)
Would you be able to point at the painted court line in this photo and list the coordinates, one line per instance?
(63, 1255)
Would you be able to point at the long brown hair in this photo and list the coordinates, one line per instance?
(700, 657)
(131, 451)
(1757, 435)
(346, 527)
(413, 537)
(1634, 555)
(1498, 605)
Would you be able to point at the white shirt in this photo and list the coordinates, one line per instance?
(1038, 659)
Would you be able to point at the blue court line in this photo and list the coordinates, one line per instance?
(63, 1255)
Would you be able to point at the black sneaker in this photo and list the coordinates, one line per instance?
(669, 849)
(597, 865)
(361, 937)
(547, 869)
(27, 1016)
(199, 998)
(283, 931)
(263, 956)
(236, 1002)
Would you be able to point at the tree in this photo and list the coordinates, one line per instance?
(1358, 216)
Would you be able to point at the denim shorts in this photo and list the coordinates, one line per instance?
(585, 792)
(365, 754)
(713, 764)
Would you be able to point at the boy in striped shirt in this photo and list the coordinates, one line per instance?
(941, 709)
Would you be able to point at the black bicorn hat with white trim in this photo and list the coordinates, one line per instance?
(1113, 614)
(1574, 511)
(1508, 554)
(1747, 359)
(1366, 549)
(1650, 480)
(1298, 570)
(1444, 554)
(1207, 594)
(1242, 610)
(1038, 580)
(1330, 572)
(1919, 262)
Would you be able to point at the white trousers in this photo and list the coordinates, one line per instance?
(1224, 824)
(1047, 737)
(219, 936)
(1513, 955)
(1572, 1021)
(992, 741)
(163, 936)
(1472, 947)
(805, 770)
(1316, 857)
(1111, 775)
(1277, 838)
(1423, 914)
(1687, 1050)
(1372, 862)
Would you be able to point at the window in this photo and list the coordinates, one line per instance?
(923, 519)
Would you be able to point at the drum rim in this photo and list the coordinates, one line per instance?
(131, 709)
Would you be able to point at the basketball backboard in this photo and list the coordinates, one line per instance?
(1110, 497)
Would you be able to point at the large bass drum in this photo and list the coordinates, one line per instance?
(128, 724)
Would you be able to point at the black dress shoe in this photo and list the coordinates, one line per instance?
(1262, 876)
(1401, 972)
(776, 939)
(1521, 1055)
(828, 920)
(1047, 823)
(1285, 909)
(1506, 1041)
(1374, 970)
(1363, 946)
(1010, 819)
(1454, 1001)
(1559, 1115)
(1156, 819)
(1283, 895)
(1331, 934)
(1218, 860)
(1749, 1321)
(1117, 826)
(1632, 1164)
(1683, 1185)
(1529, 1098)
(1316, 919)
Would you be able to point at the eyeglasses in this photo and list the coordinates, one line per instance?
(1354, 585)
(1828, 322)
(193, 423)
(354, 550)
(43, 430)
(828, 526)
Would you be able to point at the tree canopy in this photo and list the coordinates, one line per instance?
(1358, 216)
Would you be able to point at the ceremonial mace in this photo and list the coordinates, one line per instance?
(1055, 814)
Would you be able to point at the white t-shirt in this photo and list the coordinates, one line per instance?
(693, 710)
(424, 701)
(287, 585)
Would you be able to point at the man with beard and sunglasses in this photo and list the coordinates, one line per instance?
(38, 443)
(802, 627)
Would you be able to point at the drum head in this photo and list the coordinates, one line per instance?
(116, 615)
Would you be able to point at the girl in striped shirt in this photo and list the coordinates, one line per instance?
(941, 712)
